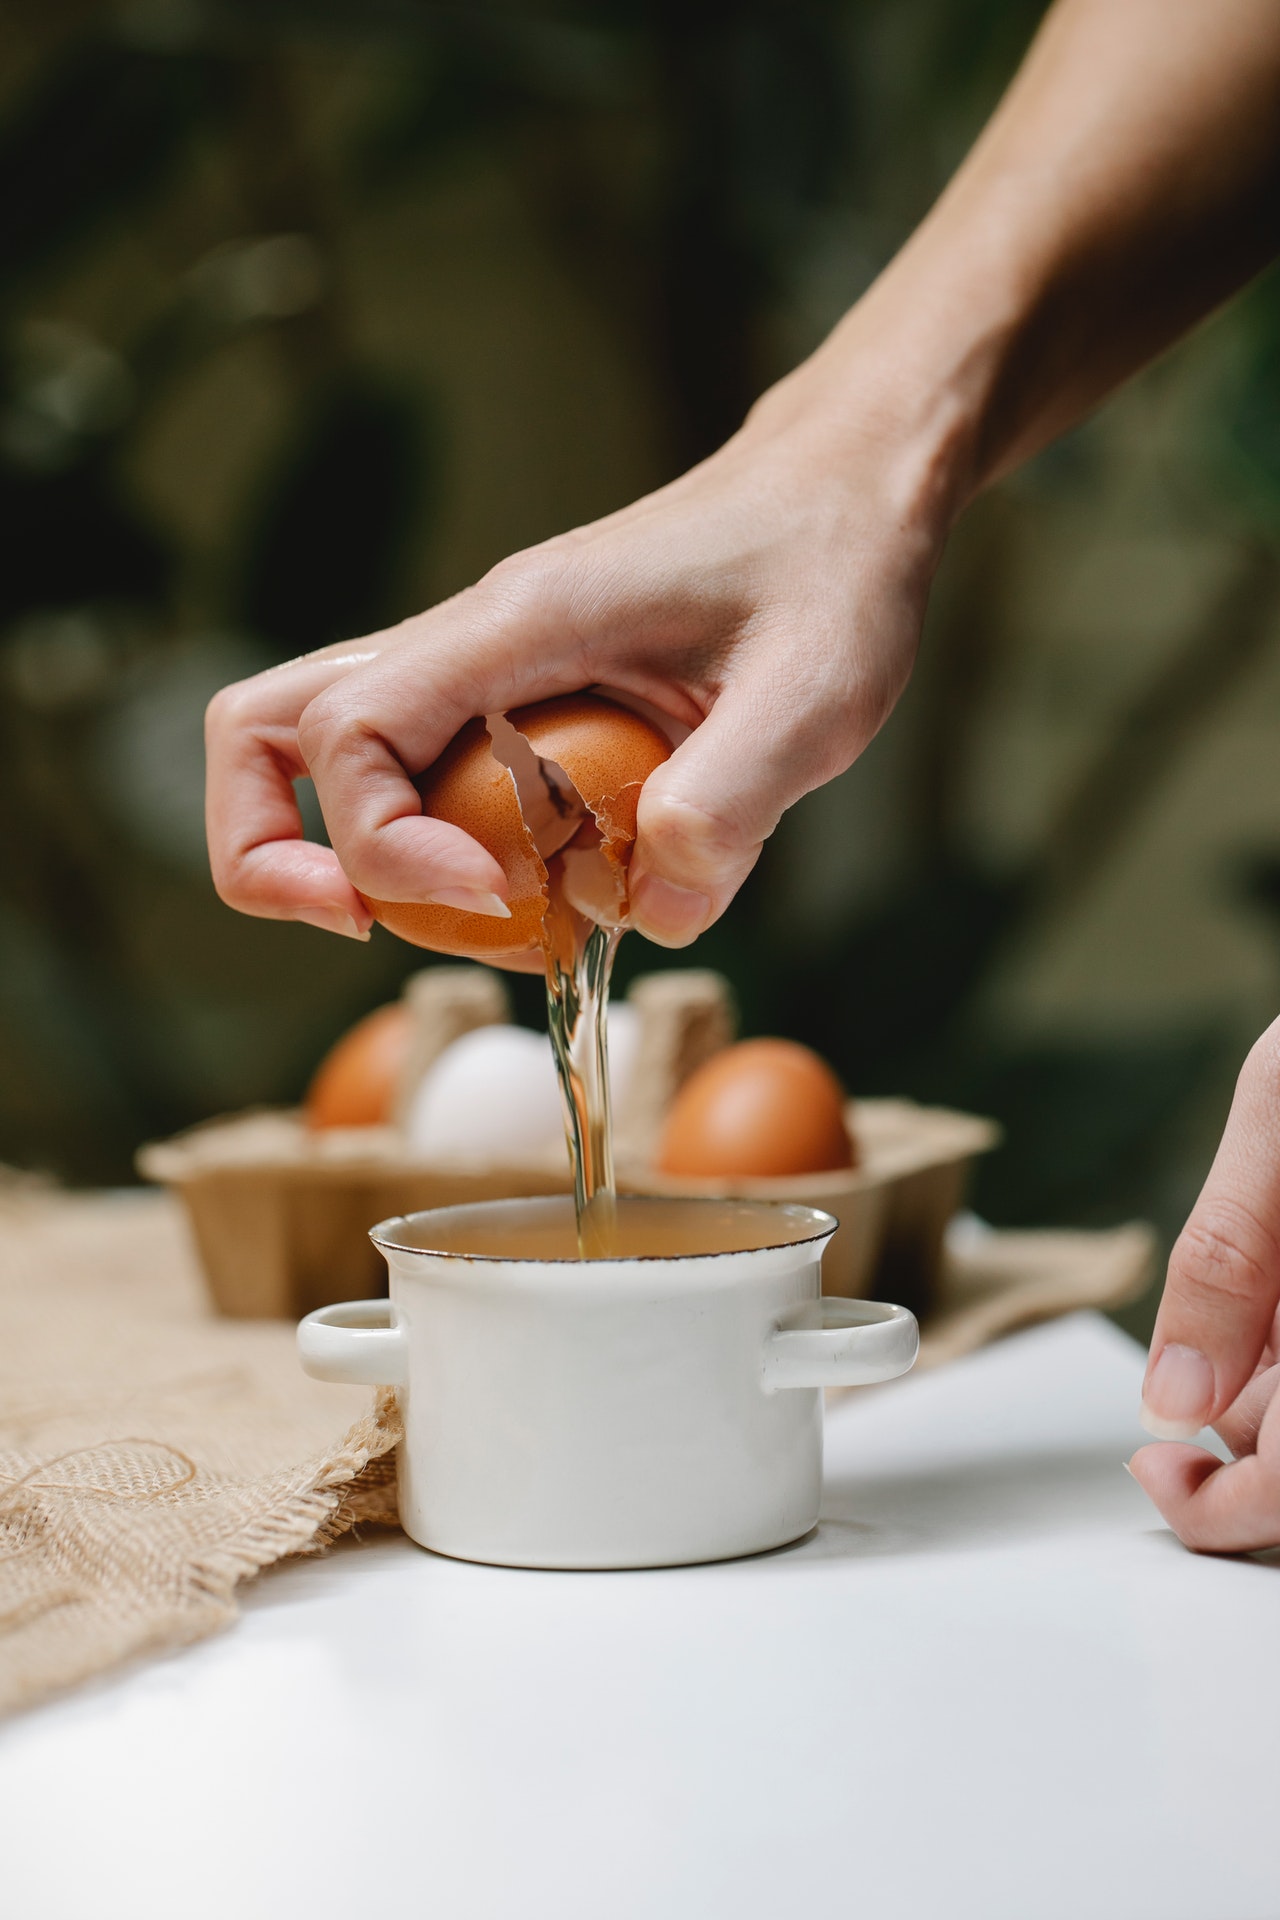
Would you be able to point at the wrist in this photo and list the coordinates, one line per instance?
(918, 372)
(879, 420)
(861, 423)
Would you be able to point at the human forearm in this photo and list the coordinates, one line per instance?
(1127, 184)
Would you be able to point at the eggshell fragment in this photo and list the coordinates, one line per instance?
(356, 1083)
(596, 756)
(607, 751)
(757, 1109)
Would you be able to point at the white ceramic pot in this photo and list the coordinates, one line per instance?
(636, 1412)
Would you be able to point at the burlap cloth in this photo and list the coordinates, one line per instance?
(151, 1455)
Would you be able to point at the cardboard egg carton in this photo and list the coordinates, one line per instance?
(280, 1213)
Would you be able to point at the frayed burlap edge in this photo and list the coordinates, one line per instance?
(88, 1629)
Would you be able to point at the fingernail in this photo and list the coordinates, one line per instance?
(1178, 1394)
(471, 900)
(336, 922)
(668, 914)
(1128, 1469)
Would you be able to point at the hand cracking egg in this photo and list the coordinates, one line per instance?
(551, 792)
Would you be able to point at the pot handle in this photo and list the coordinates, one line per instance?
(839, 1343)
(358, 1343)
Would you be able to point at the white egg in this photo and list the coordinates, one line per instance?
(492, 1098)
(624, 1045)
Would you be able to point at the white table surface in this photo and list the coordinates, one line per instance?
(989, 1685)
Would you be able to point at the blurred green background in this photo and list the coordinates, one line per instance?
(312, 310)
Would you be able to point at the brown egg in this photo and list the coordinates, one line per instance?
(565, 770)
(356, 1083)
(761, 1108)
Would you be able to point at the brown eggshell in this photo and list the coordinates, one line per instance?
(757, 1109)
(608, 753)
(470, 789)
(356, 1083)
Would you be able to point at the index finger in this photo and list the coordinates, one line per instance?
(261, 862)
(1223, 1286)
(368, 734)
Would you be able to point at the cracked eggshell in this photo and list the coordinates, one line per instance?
(471, 789)
(607, 752)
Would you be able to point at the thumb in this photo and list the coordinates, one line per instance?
(705, 814)
(1224, 1273)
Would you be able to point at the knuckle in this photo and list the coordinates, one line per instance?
(679, 828)
(320, 726)
(528, 581)
(1223, 1253)
(363, 869)
(230, 710)
(226, 884)
(231, 881)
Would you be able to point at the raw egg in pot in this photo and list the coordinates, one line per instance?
(758, 1109)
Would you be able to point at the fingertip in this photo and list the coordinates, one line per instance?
(334, 920)
(1168, 1429)
(415, 857)
(1178, 1393)
(295, 879)
(1170, 1473)
(1137, 1464)
(471, 900)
